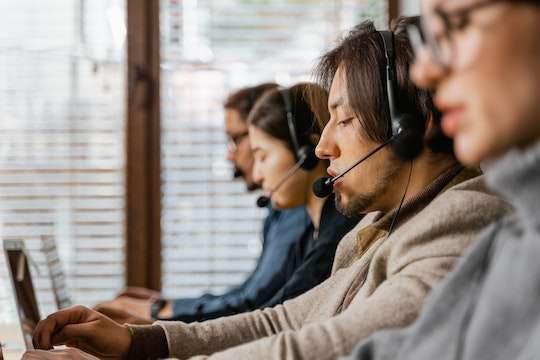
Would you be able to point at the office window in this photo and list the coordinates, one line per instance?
(62, 86)
(210, 226)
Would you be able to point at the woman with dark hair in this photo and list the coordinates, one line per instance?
(281, 124)
(283, 132)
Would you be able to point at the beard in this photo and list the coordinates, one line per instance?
(250, 185)
(356, 205)
(361, 203)
(237, 173)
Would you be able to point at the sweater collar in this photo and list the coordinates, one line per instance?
(516, 177)
(454, 175)
(381, 222)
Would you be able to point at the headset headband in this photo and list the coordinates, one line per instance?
(391, 79)
(286, 95)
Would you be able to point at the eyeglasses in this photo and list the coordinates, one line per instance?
(435, 33)
(235, 140)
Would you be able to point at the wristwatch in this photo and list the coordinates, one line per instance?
(156, 307)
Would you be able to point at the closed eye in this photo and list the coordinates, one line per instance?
(345, 122)
(260, 157)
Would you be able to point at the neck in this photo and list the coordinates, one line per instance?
(425, 169)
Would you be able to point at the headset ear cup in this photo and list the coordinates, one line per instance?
(307, 152)
(408, 141)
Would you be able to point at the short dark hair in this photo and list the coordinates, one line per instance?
(270, 114)
(244, 99)
(360, 54)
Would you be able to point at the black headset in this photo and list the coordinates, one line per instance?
(304, 154)
(407, 136)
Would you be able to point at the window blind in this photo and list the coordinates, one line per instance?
(62, 142)
(210, 226)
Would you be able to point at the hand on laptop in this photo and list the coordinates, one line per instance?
(127, 310)
(69, 353)
(85, 329)
(121, 316)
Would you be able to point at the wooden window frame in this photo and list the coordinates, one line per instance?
(393, 10)
(143, 147)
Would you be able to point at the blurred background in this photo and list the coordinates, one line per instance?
(112, 140)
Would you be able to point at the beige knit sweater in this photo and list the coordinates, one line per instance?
(377, 282)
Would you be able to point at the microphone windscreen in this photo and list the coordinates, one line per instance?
(263, 201)
(237, 173)
(323, 187)
(408, 144)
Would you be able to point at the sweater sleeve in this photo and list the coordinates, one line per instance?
(186, 340)
(147, 342)
(394, 303)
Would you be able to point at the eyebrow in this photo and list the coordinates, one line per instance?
(340, 101)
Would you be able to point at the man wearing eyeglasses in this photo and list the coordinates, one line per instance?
(237, 108)
(483, 60)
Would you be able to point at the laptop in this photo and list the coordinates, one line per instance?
(23, 288)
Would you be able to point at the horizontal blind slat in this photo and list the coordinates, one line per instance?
(62, 144)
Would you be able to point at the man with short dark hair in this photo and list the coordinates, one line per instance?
(419, 223)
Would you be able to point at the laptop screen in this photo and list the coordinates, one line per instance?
(25, 296)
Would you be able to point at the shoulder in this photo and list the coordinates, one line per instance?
(470, 200)
(448, 224)
(296, 212)
(297, 216)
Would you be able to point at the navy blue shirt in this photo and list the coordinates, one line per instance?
(281, 231)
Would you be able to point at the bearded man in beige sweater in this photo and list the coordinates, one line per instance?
(422, 214)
